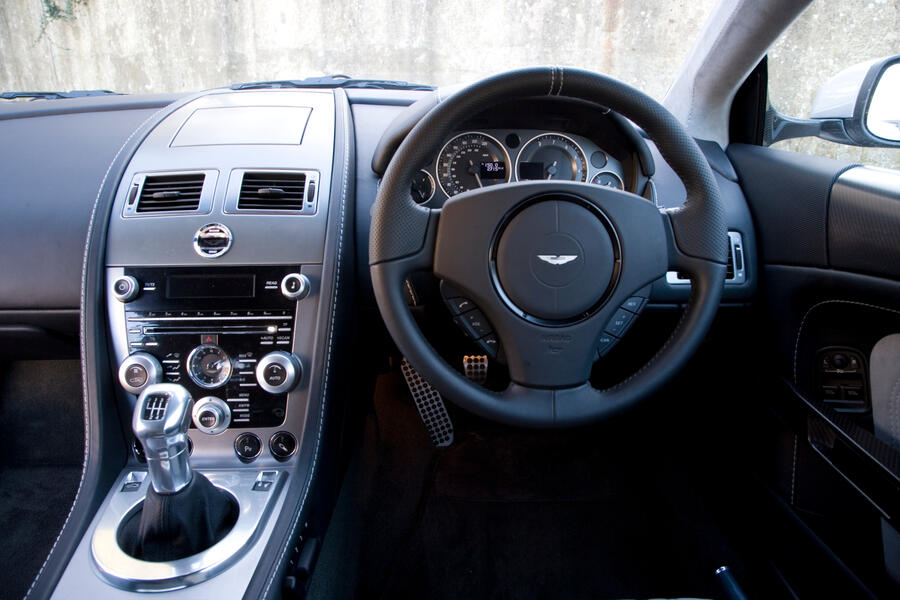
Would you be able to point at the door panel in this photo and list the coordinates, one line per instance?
(829, 244)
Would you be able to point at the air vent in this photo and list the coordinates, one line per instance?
(735, 271)
(272, 191)
(167, 193)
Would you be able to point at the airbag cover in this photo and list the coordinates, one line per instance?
(555, 260)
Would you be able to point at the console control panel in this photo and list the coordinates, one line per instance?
(841, 379)
(224, 333)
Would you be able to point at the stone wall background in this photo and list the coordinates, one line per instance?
(141, 46)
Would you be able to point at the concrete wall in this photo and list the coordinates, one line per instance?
(174, 45)
(155, 45)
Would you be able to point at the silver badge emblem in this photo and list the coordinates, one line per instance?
(557, 259)
(212, 240)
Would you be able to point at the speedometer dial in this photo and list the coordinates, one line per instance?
(470, 161)
(551, 156)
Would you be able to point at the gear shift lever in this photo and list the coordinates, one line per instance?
(183, 513)
(161, 419)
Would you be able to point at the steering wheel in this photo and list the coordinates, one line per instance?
(549, 262)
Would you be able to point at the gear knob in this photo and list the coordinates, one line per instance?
(161, 418)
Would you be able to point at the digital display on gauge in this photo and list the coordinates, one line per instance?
(210, 286)
(493, 170)
(531, 170)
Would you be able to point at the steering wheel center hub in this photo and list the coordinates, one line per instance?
(556, 260)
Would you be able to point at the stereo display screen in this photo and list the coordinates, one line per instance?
(210, 286)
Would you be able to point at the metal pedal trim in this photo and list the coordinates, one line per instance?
(430, 405)
(476, 367)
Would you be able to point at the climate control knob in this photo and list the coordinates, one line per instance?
(138, 371)
(278, 372)
(211, 415)
(126, 288)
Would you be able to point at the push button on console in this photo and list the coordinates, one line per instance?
(136, 376)
(282, 445)
(294, 286)
(126, 288)
(275, 374)
(247, 446)
(208, 418)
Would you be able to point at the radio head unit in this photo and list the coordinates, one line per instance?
(209, 329)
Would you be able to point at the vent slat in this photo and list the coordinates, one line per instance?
(169, 193)
(272, 191)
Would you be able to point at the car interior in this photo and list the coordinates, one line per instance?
(535, 336)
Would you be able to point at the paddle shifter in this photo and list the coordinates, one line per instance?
(161, 419)
(183, 513)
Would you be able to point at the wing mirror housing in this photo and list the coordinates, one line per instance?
(860, 106)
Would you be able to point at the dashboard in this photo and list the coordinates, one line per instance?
(227, 242)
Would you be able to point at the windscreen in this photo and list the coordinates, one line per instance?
(190, 45)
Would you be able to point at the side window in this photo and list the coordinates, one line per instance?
(828, 37)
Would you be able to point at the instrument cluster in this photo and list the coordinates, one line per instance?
(480, 158)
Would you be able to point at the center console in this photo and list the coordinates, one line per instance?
(224, 250)
(225, 334)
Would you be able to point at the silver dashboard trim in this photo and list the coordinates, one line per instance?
(128, 573)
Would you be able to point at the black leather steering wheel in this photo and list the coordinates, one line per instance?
(488, 243)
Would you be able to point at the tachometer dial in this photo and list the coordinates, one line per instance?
(608, 179)
(551, 156)
(209, 366)
(470, 161)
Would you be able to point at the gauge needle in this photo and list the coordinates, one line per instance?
(551, 170)
(474, 172)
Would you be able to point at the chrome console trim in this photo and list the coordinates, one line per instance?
(128, 573)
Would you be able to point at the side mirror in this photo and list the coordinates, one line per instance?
(883, 114)
(859, 106)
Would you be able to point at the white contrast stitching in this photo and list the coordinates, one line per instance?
(818, 304)
(552, 80)
(412, 292)
(562, 79)
(794, 470)
(84, 392)
(893, 414)
(337, 286)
